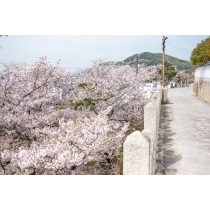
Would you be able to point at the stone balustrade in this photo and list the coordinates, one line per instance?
(139, 149)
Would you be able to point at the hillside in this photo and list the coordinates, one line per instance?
(151, 59)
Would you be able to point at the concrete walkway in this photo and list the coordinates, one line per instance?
(184, 137)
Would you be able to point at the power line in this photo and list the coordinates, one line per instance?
(158, 48)
(180, 48)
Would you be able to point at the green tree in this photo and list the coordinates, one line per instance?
(170, 72)
(201, 54)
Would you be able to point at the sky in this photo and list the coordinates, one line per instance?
(78, 51)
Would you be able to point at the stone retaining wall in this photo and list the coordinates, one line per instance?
(201, 85)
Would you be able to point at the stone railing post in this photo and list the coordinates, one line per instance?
(136, 155)
(150, 137)
(139, 150)
(156, 100)
(150, 117)
(150, 132)
(165, 94)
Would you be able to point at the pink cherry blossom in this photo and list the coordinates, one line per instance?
(52, 119)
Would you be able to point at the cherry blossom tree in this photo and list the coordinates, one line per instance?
(26, 93)
(53, 120)
(106, 84)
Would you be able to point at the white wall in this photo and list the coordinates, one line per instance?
(201, 85)
(202, 72)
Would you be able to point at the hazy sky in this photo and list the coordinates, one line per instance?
(77, 51)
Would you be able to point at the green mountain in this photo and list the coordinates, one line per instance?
(151, 59)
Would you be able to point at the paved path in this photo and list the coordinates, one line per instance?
(184, 139)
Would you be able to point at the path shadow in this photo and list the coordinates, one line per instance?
(166, 154)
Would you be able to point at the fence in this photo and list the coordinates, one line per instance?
(139, 149)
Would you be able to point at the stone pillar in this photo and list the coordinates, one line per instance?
(151, 131)
(136, 155)
(164, 94)
(150, 136)
(150, 117)
(156, 100)
(159, 97)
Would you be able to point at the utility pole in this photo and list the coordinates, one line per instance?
(137, 63)
(163, 58)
